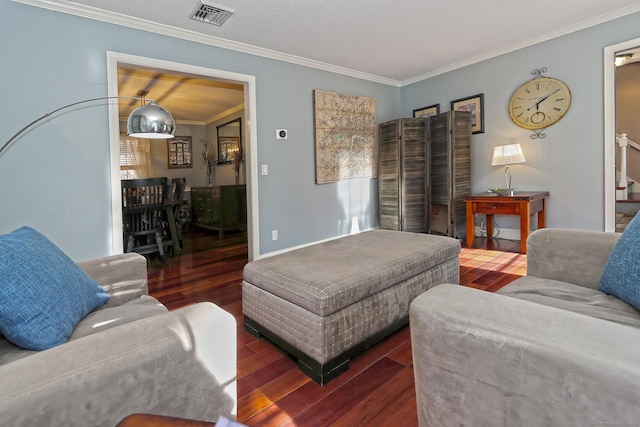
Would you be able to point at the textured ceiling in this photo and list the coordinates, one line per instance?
(397, 40)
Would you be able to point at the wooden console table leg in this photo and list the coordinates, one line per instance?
(542, 217)
(489, 226)
(525, 226)
(471, 232)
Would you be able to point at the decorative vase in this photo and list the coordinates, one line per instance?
(210, 174)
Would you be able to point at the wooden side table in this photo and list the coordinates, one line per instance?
(522, 203)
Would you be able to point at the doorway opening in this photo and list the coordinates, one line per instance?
(614, 171)
(177, 74)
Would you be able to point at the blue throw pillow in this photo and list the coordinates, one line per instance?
(43, 293)
(621, 275)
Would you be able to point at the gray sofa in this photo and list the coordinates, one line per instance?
(129, 356)
(548, 349)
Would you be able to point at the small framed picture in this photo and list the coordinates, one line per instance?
(179, 152)
(475, 104)
(431, 110)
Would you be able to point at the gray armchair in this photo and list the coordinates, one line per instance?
(548, 349)
(129, 356)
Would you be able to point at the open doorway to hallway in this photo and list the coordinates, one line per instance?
(627, 107)
(621, 62)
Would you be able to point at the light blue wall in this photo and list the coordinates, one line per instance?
(56, 177)
(569, 162)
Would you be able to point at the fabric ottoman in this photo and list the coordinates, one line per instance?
(327, 302)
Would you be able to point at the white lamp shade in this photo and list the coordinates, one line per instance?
(507, 155)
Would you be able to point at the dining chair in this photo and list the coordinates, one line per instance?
(142, 215)
(176, 213)
(179, 187)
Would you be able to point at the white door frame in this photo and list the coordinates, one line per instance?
(249, 82)
(610, 131)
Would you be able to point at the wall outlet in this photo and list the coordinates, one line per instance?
(274, 234)
(281, 134)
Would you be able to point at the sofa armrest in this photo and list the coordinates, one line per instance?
(484, 359)
(573, 256)
(181, 364)
(123, 277)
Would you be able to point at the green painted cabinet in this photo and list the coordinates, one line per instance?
(222, 208)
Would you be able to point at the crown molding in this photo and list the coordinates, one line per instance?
(619, 13)
(230, 111)
(167, 30)
(90, 12)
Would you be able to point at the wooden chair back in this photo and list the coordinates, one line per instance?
(142, 214)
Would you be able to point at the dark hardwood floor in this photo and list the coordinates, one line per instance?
(378, 388)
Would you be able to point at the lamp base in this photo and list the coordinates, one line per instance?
(503, 191)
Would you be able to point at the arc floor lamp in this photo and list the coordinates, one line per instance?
(148, 121)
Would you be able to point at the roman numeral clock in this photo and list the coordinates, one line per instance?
(539, 103)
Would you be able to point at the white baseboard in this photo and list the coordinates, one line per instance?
(281, 251)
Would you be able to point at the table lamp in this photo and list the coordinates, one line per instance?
(507, 155)
(148, 121)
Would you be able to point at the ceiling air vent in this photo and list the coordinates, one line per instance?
(211, 13)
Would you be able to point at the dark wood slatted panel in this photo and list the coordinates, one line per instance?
(389, 176)
(450, 161)
(414, 174)
(461, 169)
(439, 159)
(403, 182)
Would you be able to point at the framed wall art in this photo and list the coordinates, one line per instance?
(475, 104)
(345, 136)
(179, 152)
(431, 110)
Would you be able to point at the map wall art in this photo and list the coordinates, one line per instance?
(345, 136)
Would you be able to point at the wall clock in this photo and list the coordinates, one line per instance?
(539, 103)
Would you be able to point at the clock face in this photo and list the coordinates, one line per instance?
(539, 103)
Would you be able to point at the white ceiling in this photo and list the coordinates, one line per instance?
(191, 100)
(393, 39)
(395, 42)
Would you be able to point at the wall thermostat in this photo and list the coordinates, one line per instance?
(281, 134)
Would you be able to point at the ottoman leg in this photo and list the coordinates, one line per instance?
(252, 327)
(318, 372)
